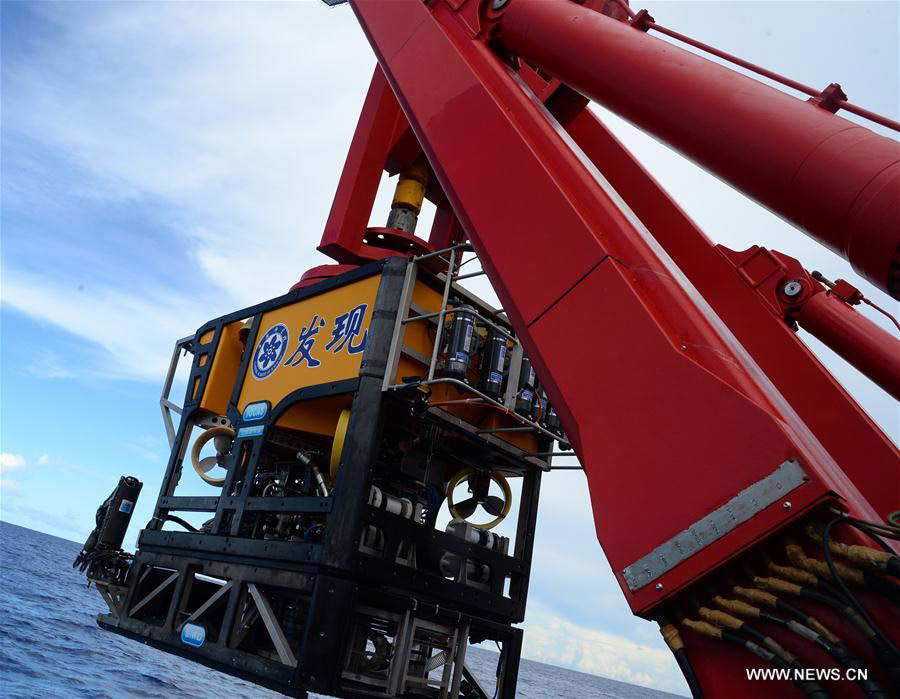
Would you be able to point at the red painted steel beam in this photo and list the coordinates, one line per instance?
(834, 179)
(875, 352)
(382, 135)
(660, 399)
(864, 452)
(356, 190)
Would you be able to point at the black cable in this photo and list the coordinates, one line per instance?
(891, 530)
(673, 641)
(851, 598)
(875, 532)
(810, 688)
(500, 668)
(836, 648)
(893, 563)
(893, 566)
(838, 651)
(764, 646)
(187, 525)
(884, 650)
(882, 586)
(855, 574)
(795, 612)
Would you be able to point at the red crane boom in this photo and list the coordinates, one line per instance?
(834, 179)
(707, 430)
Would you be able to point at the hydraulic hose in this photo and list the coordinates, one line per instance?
(838, 651)
(810, 689)
(673, 640)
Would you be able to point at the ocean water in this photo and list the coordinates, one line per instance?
(50, 645)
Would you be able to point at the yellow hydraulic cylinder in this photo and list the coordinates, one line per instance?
(409, 195)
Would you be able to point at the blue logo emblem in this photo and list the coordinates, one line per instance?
(193, 634)
(255, 411)
(270, 351)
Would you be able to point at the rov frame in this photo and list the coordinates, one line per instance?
(318, 602)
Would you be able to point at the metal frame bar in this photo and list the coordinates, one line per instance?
(167, 406)
(403, 318)
(532, 426)
(282, 647)
(215, 597)
(151, 595)
(393, 358)
(438, 339)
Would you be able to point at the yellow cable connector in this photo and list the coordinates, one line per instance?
(776, 585)
(822, 630)
(672, 637)
(726, 621)
(703, 628)
(820, 568)
(737, 607)
(761, 597)
(860, 555)
(767, 599)
(801, 577)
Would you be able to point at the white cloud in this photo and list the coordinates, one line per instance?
(49, 365)
(16, 463)
(231, 126)
(238, 130)
(136, 333)
(11, 462)
(552, 639)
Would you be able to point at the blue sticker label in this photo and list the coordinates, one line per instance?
(193, 634)
(252, 431)
(126, 506)
(496, 377)
(255, 411)
(270, 351)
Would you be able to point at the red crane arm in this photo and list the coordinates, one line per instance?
(834, 179)
(668, 359)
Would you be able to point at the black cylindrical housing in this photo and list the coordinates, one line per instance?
(551, 420)
(119, 511)
(460, 343)
(525, 389)
(539, 404)
(493, 365)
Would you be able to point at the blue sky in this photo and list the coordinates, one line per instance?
(163, 164)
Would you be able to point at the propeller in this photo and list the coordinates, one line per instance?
(479, 484)
(222, 437)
